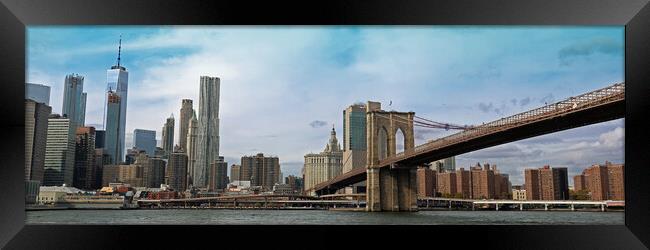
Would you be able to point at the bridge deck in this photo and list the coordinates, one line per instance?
(589, 108)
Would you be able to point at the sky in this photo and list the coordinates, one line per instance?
(284, 87)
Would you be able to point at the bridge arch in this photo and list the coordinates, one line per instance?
(383, 142)
(400, 140)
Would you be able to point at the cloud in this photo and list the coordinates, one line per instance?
(602, 45)
(317, 124)
(524, 102)
(486, 108)
(614, 138)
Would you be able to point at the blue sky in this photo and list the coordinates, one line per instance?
(282, 87)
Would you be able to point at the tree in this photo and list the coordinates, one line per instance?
(579, 195)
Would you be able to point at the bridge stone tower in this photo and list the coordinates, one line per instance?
(389, 188)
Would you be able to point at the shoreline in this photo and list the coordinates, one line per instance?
(34, 209)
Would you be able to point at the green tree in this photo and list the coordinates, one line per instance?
(579, 195)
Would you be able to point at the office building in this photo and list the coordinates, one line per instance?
(444, 165)
(177, 170)
(145, 140)
(191, 148)
(235, 171)
(100, 136)
(101, 159)
(84, 167)
(168, 135)
(36, 130)
(426, 180)
(262, 171)
(74, 99)
(154, 171)
(208, 130)
(184, 123)
(218, 179)
(38, 93)
(132, 154)
(295, 183)
(325, 165)
(354, 137)
(113, 142)
(117, 81)
(59, 152)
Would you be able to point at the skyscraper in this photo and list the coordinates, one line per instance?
(84, 166)
(112, 140)
(168, 135)
(145, 140)
(100, 136)
(261, 170)
(36, 123)
(354, 137)
(445, 165)
(59, 152)
(218, 175)
(38, 92)
(117, 81)
(191, 148)
(208, 130)
(184, 123)
(235, 171)
(177, 170)
(74, 99)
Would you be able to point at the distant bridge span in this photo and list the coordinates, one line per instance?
(593, 107)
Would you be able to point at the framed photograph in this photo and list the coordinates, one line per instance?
(520, 125)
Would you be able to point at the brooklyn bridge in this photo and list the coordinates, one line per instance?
(391, 177)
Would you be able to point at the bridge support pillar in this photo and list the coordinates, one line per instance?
(391, 190)
(521, 207)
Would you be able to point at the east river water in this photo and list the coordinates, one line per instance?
(276, 217)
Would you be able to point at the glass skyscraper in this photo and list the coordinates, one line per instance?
(207, 150)
(117, 79)
(145, 140)
(112, 139)
(74, 99)
(38, 92)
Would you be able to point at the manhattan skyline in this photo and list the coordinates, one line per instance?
(282, 88)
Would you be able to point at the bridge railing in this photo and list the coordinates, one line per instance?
(572, 104)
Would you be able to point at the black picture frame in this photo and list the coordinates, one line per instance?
(15, 15)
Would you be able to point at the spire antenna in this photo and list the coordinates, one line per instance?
(119, 51)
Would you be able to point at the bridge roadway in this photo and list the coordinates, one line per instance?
(594, 107)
